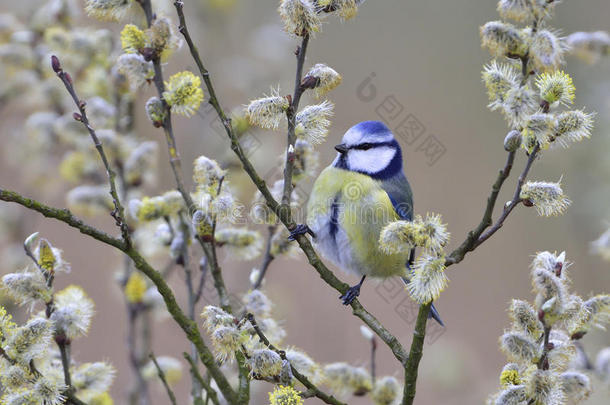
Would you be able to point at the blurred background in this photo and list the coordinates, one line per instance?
(414, 63)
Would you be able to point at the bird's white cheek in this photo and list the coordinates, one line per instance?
(371, 160)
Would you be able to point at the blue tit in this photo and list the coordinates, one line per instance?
(353, 199)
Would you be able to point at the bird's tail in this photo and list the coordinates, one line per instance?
(433, 311)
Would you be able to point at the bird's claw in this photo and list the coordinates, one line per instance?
(300, 229)
(350, 295)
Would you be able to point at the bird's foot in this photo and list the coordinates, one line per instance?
(351, 294)
(300, 229)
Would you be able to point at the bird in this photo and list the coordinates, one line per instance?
(353, 199)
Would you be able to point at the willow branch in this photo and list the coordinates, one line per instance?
(312, 390)
(62, 215)
(138, 393)
(185, 262)
(284, 214)
(267, 259)
(65, 362)
(481, 233)
(415, 354)
(161, 374)
(473, 236)
(176, 164)
(72, 399)
(187, 325)
(243, 389)
(514, 202)
(291, 117)
(474, 239)
(195, 371)
(119, 213)
(477, 236)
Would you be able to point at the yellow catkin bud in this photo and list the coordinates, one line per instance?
(135, 288)
(313, 121)
(429, 278)
(46, 257)
(503, 39)
(546, 51)
(133, 39)
(322, 78)
(102, 399)
(285, 395)
(183, 93)
(267, 112)
(346, 9)
(107, 10)
(299, 17)
(155, 111)
(573, 126)
(510, 377)
(556, 87)
(547, 197)
(73, 166)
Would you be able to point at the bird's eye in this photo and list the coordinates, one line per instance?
(365, 146)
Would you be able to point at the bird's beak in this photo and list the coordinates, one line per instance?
(341, 148)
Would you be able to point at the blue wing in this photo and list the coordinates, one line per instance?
(401, 196)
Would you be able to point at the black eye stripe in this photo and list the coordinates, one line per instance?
(364, 146)
(367, 145)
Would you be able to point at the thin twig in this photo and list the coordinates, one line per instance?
(210, 249)
(138, 394)
(267, 259)
(62, 215)
(516, 198)
(373, 358)
(72, 399)
(212, 396)
(62, 342)
(291, 117)
(473, 236)
(119, 213)
(474, 239)
(543, 363)
(185, 262)
(176, 165)
(161, 374)
(203, 267)
(64, 351)
(477, 236)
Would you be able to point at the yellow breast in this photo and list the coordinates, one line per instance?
(361, 209)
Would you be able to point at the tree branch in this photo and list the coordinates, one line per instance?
(175, 162)
(119, 213)
(291, 117)
(194, 371)
(62, 215)
(415, 354)
(479, 235)
(161, 374)
(473, 236)
(267, 259)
